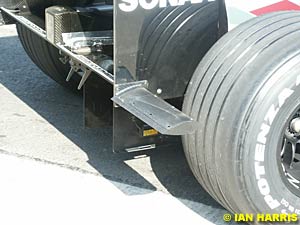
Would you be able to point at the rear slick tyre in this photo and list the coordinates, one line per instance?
(46, 57)
(245, 94)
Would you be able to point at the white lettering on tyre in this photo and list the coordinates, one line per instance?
(288, 208)
(259, 167)
(293, 181)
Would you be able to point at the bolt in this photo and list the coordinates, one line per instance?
(295, 125)
(158, 91)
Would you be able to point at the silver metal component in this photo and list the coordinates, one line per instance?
(36, 29)
(71, 73)
(97, 8)
(154, 111)
(291, 140)
(290, 156)
(64, 59)
(158, 91)
(293, 155)
(75, 67)
(295, 125)
(79, 40)
(87, 63)
(85, 76)
(50, 33)
(83, 51)
(283, 147)
(78, 58)
(141, 148)
(119, 88)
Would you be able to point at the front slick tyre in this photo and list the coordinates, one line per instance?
(245, 94)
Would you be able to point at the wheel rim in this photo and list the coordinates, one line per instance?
(290, 154)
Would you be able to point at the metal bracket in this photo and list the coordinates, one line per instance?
(123, 87)
(85, 76)
(71, 73)
(64, 50)
(75, 67)
(21, 19)
(154, 111)
(2, 21)
(85, 72)
(77, 40)
(16, 6)
(88, 63)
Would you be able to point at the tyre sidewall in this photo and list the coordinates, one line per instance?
(263, 134)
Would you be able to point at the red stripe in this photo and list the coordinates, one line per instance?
(280, 6)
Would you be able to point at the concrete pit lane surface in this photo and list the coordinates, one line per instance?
(55, 171)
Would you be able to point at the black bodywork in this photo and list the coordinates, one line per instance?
(164, 45)
(155, 54)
